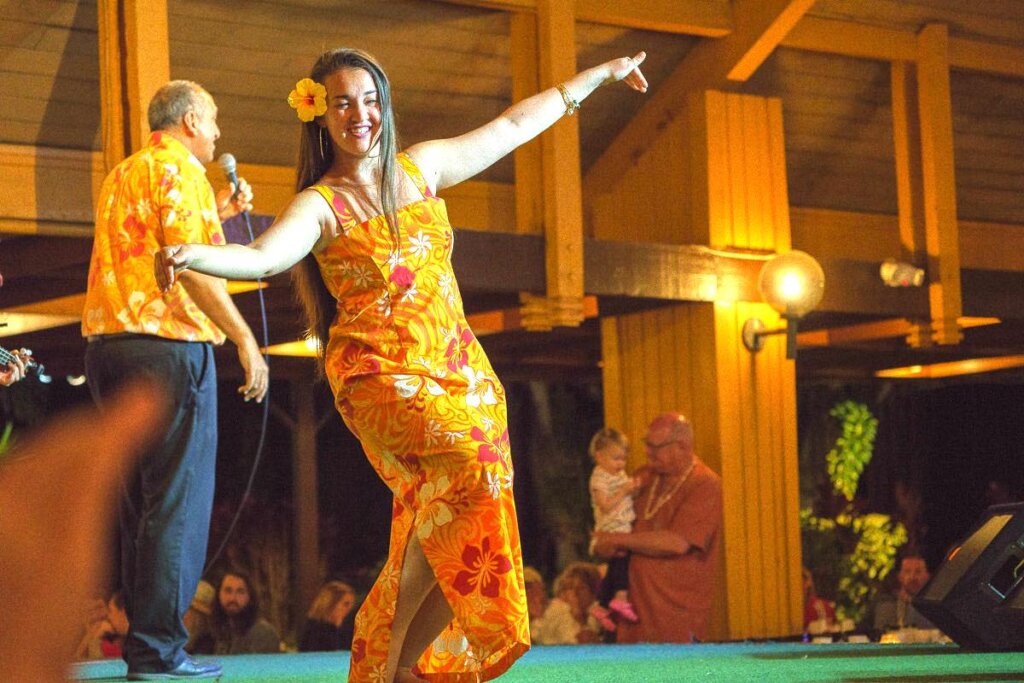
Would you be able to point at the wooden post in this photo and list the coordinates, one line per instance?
(134, 52)
(691, 358)
(529, 187)
(563, 204)
(909, 192)
(939, 175)
(305, 499)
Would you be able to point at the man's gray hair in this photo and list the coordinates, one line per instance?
(173, 100)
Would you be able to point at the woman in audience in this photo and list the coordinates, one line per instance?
(327, 624)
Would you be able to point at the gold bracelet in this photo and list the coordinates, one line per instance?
(571, 105)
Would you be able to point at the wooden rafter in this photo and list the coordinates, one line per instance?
(849, 39)
(710, 18)
(760, 26)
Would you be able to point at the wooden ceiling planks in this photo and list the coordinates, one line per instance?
(989, 20)
(838, 126)
(608, 111)
(449, 66)
(49, 72)
(988, 146)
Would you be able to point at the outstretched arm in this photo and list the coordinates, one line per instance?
(293, 235)
(448, 162)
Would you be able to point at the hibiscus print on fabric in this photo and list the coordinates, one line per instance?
(491, 451)
(457, 352)
(482, 570)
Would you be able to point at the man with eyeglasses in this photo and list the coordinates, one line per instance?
(674, 543)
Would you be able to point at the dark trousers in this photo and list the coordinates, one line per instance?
(166, 501)
(615, 579)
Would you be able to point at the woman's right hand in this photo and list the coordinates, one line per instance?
(168, 262)
(627, 70)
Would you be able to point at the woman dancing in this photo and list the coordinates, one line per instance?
(373, 244)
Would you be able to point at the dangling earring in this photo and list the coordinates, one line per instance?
(320, 137)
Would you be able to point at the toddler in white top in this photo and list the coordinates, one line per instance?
(611, 495)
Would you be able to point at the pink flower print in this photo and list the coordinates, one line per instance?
(482, 570)
(345, 217)
(491, 451)
(135, 232)
(456, 354)
(403, 277)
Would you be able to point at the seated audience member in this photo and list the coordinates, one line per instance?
(197, 620)
(894, 611)
(566, 620)
(819, 614)
(235, 623)
(106, 631)
(536, 598)
(328, 626)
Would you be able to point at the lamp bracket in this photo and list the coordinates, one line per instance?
(754, 332)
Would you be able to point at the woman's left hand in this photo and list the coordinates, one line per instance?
(627, 70)
(168, 262)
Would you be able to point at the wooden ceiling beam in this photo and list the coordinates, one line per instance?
(846, 38)
(767, 24)
(830, 234)
(760, 26)
(974, 55)
(848, 335)
(862, 41)
(709, 18)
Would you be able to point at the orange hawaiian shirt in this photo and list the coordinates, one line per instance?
(156, 197)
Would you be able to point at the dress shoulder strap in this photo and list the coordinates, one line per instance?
(414, 172)
(346, 221)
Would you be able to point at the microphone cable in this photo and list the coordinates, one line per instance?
(264, 420)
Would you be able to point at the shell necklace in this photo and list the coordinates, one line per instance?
(655, 502)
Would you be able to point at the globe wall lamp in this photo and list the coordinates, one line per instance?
(793, 284)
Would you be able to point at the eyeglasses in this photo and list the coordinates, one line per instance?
(658, 446)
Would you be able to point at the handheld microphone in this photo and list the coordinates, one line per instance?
(228, 164)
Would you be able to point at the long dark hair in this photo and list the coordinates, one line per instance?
(316, 155)
(220, 622)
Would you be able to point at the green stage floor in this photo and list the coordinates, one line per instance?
(791, 663)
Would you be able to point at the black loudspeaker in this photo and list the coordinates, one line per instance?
(975, 597)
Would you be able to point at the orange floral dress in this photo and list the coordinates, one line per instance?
(414, 385)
